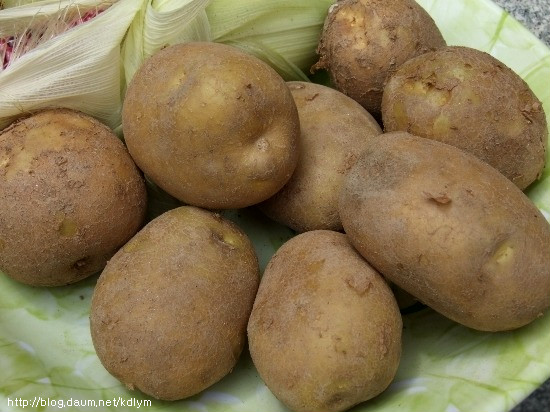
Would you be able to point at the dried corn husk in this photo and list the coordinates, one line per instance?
(78, 68)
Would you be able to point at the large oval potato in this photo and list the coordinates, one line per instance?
(211, 125)
(325, 330)
(365, 41)
(450, 230)
(169, 311)
(334, 128)
(469, 99)
(70, 196)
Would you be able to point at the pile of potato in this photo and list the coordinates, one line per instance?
(433, 205)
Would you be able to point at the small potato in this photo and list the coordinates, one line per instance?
(70, 196)
(334, 128)
(450, 230)
(469, 99)
(211, 125)
(365, 41)
(325, 330)
(169, 311)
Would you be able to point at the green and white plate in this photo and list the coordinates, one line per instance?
(46, 349)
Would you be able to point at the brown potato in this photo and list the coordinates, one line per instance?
(365, 41)
(169, 311)
(405, 300)
(450, 230)
(211, 125)
(325, 330)
(469, 99)
(70, 196)
(334, 128)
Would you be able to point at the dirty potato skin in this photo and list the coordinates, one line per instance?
(334, 128)
(469, 99)
(70, 196)
(450, 230)
(169, 312)
(211, 125)
(364, 41)
(325, 330)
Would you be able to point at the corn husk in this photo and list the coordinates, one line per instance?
(161, 23)
(6, 4)
(283, 33)
(78, 68)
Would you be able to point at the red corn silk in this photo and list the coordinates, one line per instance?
(6, 50)
(89, 15)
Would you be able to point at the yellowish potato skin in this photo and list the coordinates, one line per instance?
(469, 99)
(450, 230)
(70, 196)
(325, 330)
(334, 128)
(211, 125)
(365, 41)
(169, 312)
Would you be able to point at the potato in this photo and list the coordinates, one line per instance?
(211, 125)
(169, 311)
(70, 196)
(325, 330)
(364, 41)
(333, 129)
(450, 230)
(468, 99)
(405, 300)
